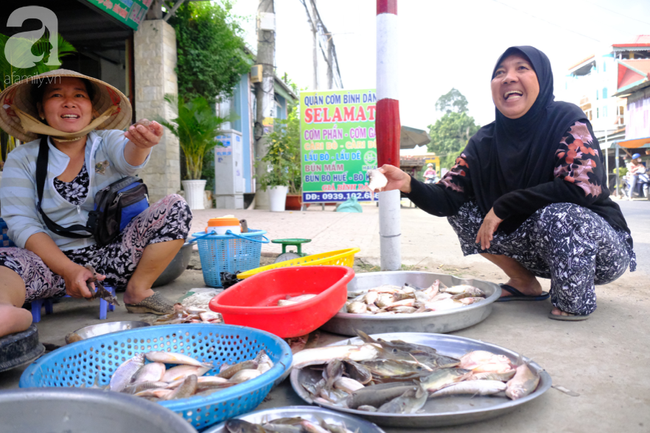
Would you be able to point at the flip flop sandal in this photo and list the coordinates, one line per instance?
(516, 295)
(570, 318)
(154, 304)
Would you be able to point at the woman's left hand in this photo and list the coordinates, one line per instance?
(490, 224)
(145, 137)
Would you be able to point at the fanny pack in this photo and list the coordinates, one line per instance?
(115, 205)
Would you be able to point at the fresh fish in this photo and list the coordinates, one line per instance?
(323, 355)
(377, 180)
(125, 372)
(186, 389)
(152, 372)
(159, 393)
(230, 371)
(295, 299)
(473, 387)
(503, 377)
(173, 358)
(443, 377)
(100, 291)
(377, 395)
(391, 367)
(524, 382)
(136, 388)
(482, 361)
(244, 375)
(183, 371)
(348, 385)
(241, 426)
(410, 402)
(408, 299)
(357, 371)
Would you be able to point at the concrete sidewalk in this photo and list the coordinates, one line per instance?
(604, 359)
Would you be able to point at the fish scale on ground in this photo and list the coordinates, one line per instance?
(403, 376)
(391, 299)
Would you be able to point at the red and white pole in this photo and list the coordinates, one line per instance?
(387, 126)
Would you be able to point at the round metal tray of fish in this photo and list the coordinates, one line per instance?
(441, 411)
(310, 413)
(435, 322)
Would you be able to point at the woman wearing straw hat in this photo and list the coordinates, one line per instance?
(82, 119)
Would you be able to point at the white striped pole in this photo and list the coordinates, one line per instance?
(387, 126)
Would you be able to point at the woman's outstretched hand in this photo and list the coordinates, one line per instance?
(397, 179)
(490, 224)
(145, 134)
(75, 277)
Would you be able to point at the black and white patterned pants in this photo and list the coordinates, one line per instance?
(567, 243)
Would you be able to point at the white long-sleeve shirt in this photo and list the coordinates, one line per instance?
(105, 162)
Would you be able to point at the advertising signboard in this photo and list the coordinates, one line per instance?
(129, 12)
(337, 144)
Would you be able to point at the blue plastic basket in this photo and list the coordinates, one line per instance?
(6, 242)
(231, 252)
(81, 363)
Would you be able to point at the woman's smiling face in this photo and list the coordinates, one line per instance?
(66, 105)
(514, 86)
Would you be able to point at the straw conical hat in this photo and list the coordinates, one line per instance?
(20, 96)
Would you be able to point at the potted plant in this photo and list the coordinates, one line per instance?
(283, 160)
(197, 128)
(281, 166)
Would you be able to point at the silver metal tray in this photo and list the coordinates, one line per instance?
(442, 411)
(435, 322)
(311, 413)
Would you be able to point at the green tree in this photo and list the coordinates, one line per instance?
(211, 56)
(452, 102)
(11, 74)
(449, 136)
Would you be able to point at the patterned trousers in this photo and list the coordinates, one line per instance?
(166, 220)
(574, 247)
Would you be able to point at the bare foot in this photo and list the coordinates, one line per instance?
(529, 287)
(13, 319)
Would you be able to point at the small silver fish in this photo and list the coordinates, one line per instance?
(377, 181)
(152, 372)
(125, 372)
(173, 358)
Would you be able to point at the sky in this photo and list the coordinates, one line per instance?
(448, 44)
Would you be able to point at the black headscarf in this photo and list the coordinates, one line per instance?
(520, 153)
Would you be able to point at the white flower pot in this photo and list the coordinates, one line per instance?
(194, 193)
(278, 198)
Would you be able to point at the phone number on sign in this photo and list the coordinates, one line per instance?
(315, 197)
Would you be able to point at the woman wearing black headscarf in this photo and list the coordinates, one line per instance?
(529, 193)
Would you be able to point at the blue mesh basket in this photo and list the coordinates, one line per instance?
(79, 364)
(6, 242)
(231, 252)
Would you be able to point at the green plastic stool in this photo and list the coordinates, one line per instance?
(296, 242)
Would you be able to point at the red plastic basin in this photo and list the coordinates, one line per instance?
(253, 302)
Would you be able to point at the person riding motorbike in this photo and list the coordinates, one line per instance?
(430, 175)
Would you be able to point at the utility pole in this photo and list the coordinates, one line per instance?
(314, 30)
(264, 92)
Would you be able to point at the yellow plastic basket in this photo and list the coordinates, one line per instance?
(332, 258)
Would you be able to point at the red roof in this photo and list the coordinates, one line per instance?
(632, 71)
(640, 41)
